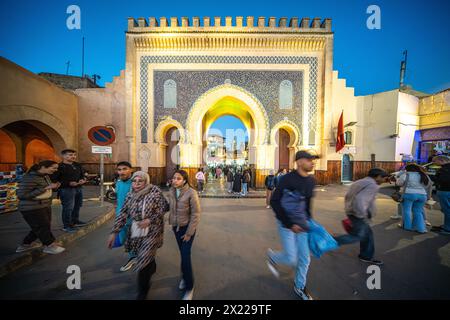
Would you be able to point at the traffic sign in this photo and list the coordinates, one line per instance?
(101, 150)
(101, 136)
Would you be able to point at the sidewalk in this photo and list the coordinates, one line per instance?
(217, 188)
(13, 229)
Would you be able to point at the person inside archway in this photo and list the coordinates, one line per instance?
(200, 177)
(71, 176)
(35, 195)
(237, 182)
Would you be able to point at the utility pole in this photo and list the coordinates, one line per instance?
(82, 60)
(67, 69)
(403, 69)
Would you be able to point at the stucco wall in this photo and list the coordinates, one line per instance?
(26, 96)
(408, 119)
(103, 107)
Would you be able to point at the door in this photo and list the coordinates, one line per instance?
(347, 168)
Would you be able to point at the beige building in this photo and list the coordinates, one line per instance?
(275, 75)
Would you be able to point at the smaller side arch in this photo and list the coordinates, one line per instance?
(164, 126)
(291, 128)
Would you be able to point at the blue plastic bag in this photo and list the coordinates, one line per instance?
(319, 240)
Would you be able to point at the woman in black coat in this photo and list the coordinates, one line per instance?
(237, 185)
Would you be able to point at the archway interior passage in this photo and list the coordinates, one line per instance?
(24, 142)
(227, 133)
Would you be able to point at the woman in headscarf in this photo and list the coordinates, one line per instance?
(145, 205)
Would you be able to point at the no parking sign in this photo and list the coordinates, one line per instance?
(101, 136)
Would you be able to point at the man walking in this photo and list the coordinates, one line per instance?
(71, 176)
(293, 237)
(124, 170)
(360, 209)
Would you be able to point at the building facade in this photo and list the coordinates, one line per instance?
(181, 75)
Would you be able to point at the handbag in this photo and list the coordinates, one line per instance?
(136, 231)
(47, 193)
(397, 196)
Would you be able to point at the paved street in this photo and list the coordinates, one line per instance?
(229, 260)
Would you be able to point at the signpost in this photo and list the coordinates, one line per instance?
(102, 137)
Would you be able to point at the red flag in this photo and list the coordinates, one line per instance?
(340, 140)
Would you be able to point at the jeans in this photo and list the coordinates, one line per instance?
(185, 252)
(229, 186)
(72, 201)
(40, 222)
(144, 279)
(244, 188)
(444, 201)
(268, 196)
(362, 233)
(200, 184)
(295, 253)
(413, 205)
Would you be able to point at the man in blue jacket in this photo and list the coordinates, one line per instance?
(123, 186)
(294, 238)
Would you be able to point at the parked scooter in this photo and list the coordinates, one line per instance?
(110, 190)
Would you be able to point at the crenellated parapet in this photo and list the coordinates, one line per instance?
(227, 24)
(229, 33)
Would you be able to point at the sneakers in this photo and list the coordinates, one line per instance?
(271, 264)
(27, 247)
(53, 249)
(396, 217)
(182, 285)
(371, 261)
(69, 230)
(79, 224)
(127, 266)
(188, 295)
(267, 207)
(302, 293)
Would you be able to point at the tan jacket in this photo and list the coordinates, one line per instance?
(185, 210)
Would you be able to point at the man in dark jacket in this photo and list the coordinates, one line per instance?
(294, 238)
(71, 176)
(442, 181)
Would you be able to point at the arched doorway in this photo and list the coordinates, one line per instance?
(347, 168)
(172, 139)
(282, 160)
(33, 141)
(8, 157)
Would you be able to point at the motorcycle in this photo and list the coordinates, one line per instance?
(110, 191)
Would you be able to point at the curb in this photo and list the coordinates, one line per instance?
(30, 257)
(232, 196)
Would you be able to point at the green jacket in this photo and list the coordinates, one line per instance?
(32, 185)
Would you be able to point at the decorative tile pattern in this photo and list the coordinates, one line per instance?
(198, 84)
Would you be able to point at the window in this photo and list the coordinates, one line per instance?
(285, 94)
(348, 136)
(170, 94)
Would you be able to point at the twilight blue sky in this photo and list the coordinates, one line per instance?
(33, 34)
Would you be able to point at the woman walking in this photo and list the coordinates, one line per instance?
(184, 217)
(417, 190)
(145, 205)
(200, 176)
(35, 195)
